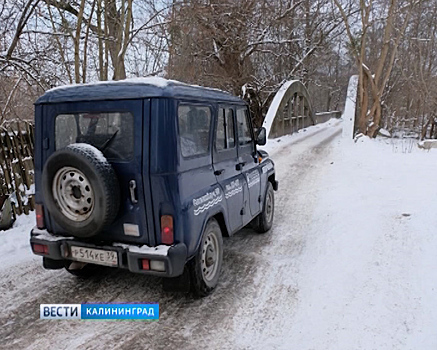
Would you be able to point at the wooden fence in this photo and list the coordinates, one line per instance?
(16, 165)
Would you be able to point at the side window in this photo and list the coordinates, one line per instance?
(194, 129)
(230, 127)
(220, 136)
(244, 135)
(225, 134)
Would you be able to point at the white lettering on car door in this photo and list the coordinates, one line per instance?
(207, 201)
(233, 188)
(252, 178)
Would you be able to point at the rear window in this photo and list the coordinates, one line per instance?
(112, 133)
(194, 129)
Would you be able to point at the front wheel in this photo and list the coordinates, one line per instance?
(264, 221)
(205, 267)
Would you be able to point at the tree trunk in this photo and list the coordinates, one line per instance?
(76, 39)
(363, 105)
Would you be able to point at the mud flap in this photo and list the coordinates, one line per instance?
(51, 264)
(275, 185)
(177, 284)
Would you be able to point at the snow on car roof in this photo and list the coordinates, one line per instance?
(131, 89)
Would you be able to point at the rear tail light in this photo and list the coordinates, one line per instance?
(39, 209)
(40, 248)
(145, 264)
(167, 236)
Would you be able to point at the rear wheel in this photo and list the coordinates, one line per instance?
(205, 267)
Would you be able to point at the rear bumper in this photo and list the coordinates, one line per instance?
(129, 256)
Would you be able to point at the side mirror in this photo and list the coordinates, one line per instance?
(261, 138)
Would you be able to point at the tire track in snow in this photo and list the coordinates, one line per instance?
(300, 167)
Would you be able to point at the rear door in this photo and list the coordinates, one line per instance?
(248, 163)
(121, 124)
(225, 158)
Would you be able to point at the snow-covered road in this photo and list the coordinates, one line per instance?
(349, 264)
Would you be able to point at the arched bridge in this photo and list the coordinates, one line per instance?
(291, 110)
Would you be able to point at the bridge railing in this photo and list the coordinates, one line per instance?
(325, 116)
(291, 111)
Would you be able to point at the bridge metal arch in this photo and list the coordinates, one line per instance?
(289, 111)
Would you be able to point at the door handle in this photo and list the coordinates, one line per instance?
(132, 188)
(219, 172)
(240, 166)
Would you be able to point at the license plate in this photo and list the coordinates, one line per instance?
(95, 256)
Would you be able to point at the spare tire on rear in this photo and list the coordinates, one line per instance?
(81, 190)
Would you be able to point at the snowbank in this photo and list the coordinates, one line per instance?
(427, 144)
(349, 108)
(14, 243)
(368, 277)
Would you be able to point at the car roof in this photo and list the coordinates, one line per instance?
(133, 89)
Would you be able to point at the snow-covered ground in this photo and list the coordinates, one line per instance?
(14, 243)
(367, 276)
(349, 264)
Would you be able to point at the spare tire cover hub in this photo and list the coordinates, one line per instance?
(73, 193)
